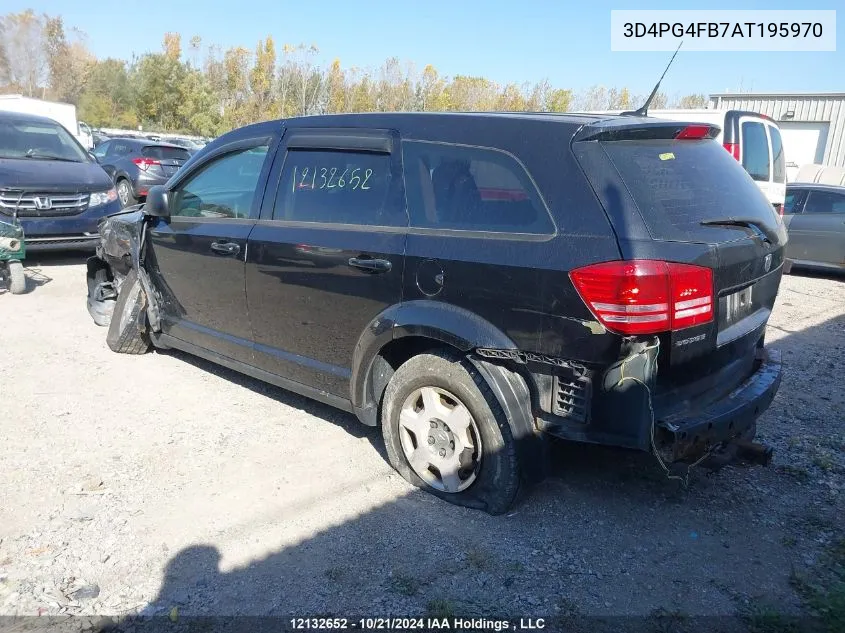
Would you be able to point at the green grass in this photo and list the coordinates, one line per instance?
(479, 559)
(440, 608)
(405, 585)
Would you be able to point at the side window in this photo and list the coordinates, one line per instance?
(335, 187)
(225, 188)
(471, 189)
(778, 159)
(825, 202)
(755, 150)
(101, 149)
(792, 203)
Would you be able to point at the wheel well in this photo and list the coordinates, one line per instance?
(393, 355)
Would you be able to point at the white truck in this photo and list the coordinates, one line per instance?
(62, 113)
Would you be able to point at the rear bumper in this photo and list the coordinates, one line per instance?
(691, 432)
(144, 182)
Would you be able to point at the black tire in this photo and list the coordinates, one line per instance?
(125, 194)
(496, 483)
(128, 328)
(17, 278)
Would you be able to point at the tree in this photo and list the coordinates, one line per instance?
(24, 59)
(261, 80)
(559, 100)
(108, 100)
(693, 101)
(69, 63)
(337, 96)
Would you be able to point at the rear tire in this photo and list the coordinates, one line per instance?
(462, 450)
(125, 194)
(17, 278)
(128, 328)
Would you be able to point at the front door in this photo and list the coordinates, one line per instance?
(818, 233)
(198, 253)
(330, 257)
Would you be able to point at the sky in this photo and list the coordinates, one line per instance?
(567, 43)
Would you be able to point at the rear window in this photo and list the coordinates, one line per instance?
(165, 153)
(678, 184)
(778, 159)
(755, 150)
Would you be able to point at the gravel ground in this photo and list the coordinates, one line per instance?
(139, 484)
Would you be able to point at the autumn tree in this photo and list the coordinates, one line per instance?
(693, 101)
(24, 58)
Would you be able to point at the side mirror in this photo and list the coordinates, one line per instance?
(157, 202)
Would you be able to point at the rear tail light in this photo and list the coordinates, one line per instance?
(644, 296)
(733, 149)
(145, 163)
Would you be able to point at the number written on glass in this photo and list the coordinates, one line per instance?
(307, 178)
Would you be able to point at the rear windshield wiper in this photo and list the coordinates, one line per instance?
(39, 156)
(757, 227)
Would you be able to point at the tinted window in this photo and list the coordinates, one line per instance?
(825, 202)
(165, 153)
(223, 189)
(470, 188)
(778, 159)
(755, 150)
(119, 149)
(336, 187)
(38, 140)
(793, 200)
(677, 184)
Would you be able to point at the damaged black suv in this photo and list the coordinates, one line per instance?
(468, 282)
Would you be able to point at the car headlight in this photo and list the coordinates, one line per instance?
(102, 197)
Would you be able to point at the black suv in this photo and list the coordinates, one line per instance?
(135, 165)
(468, 282)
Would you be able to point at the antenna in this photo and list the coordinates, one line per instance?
(643, 109)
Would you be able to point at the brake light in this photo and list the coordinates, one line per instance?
(145, 163)
(644, 296)
(692, 132)
(733, 149)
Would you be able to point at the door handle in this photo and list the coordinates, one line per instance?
(225, 248)
(370, 265)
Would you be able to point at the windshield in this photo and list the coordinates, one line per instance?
(39, 140)
(679, 184)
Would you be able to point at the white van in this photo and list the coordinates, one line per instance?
(752, 138)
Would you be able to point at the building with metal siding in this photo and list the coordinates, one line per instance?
(812, 125)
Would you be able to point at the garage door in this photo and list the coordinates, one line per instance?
(803, 144)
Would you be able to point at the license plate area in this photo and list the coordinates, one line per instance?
(737, 305)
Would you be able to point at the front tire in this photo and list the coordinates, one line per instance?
(446, 433)
(125, 193)
(128, 327)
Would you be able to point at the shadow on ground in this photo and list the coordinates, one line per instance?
(606, 535)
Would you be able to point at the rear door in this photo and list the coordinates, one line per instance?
(817, 235)
(198, 253)
(328, 255)
(666, 198)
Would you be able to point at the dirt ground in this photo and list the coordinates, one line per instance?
(140, 484)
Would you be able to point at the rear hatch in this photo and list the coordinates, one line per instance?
(673, 194)
(164, 160)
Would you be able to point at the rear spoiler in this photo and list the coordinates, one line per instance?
(645, 129)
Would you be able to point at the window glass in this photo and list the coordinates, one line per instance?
(825, 202)
(223, 189)
(755, 150)
(39, 141)
(778, 159)
(165, 153)
(471, 188)
(119, 149)
(792, 200)
(101, 149)
(336, 187)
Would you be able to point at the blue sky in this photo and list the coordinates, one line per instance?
(504, 41)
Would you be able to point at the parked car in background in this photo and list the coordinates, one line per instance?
(189, 144)
(814, 215)
(99, 139)
(470, 283)
(51, 183)
(135, 165)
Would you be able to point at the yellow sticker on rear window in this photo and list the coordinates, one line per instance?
(666, 156)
